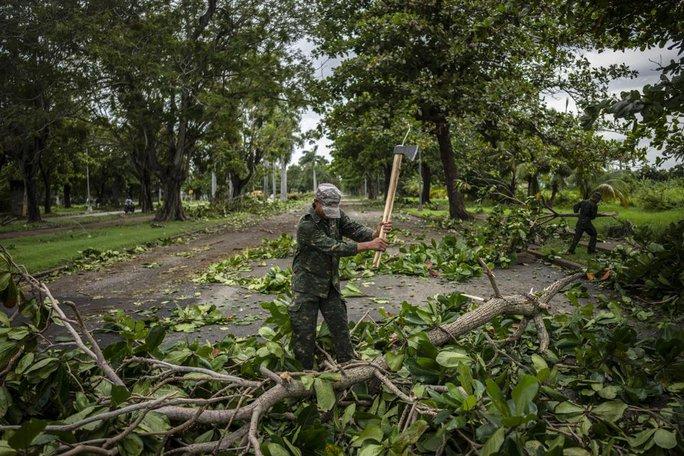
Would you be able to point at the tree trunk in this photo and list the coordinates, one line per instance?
(387, 170)
(283, 180)
(532, 185)
(67, 195)
(32, 209)
(426, 174)
(45, 176)
(554, 192)
(172, 209)
(372, 188)
(457, 208)
(146, 191)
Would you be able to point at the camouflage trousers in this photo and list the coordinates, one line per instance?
(304, 316)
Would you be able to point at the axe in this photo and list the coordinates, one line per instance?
(400, 151)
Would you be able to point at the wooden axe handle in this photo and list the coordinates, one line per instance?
(389, 202)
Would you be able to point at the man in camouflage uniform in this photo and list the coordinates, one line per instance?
(315, 273)
(587, 210)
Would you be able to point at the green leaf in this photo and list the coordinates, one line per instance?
(277, 450)
(568, 408)
(155, 422)
(494, 442)
(665, 439)
(370, 432)
(348, 414)
(307, 381)
(154, 337)
(575, 451)
(609, 392)
(24, 362)
(5, 400)
(410, 436)
(131, 445)
(394, 360)
(452, 358)
(641, 438)
(371, 450)
(325, 396)
(524, 392)
(538, 362)
(119, 394)
(610, 411)
(28, 431)
(497, 397)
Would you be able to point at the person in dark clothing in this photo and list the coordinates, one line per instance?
(587, 210)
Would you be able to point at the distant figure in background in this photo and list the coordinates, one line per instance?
(128, 206)
(587, 210)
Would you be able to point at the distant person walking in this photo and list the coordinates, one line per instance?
(587, 210)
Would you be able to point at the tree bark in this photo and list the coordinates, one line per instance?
(67, 195)
(283, 180)
(47, 201)
(146, 191)
(532, 185)
(426, 174)
(172, 209)
(457, 208)
(387, 170)
(32, 209)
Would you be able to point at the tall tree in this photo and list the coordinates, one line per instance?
(197, 51)
(42, 81)
(448, 59)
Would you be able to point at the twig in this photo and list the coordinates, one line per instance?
(491, 277)
(254, 429)
(520, 330)
(210, 373)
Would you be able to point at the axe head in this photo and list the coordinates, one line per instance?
(408, 152)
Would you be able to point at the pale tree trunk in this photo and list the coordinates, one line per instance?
(273, 186)
(283, 180)
(231, 189)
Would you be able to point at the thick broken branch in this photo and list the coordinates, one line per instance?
(525, 305)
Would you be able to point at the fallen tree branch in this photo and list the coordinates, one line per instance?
(94, 351)
(526, 305)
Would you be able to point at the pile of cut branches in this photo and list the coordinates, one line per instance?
(455, 377)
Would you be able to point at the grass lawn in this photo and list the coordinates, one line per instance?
(656, 220)
(51, 221)
(39, 253)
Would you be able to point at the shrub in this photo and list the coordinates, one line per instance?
(660, 196)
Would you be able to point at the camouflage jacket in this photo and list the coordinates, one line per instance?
(319, 247)
(587, 210)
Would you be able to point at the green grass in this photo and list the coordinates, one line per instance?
(39, 253)
(655, 220)
(63, 221)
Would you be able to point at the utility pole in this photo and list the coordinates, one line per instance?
(365, 187)
(213, 185)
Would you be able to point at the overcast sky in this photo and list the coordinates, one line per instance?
(644, 62)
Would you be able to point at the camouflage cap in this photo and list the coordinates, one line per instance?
(329, 197)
